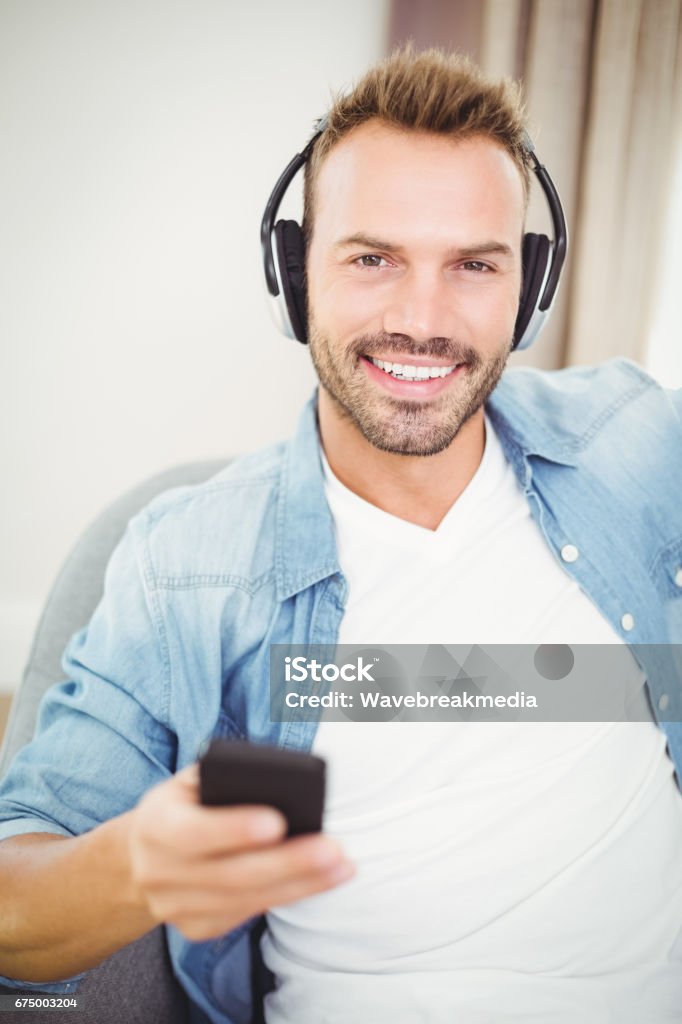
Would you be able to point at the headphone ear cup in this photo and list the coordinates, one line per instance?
(290, 247)
(537, 251)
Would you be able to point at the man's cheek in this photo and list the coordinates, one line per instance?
(354, 307)
(491, 320)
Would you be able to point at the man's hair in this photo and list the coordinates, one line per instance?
(427, 91)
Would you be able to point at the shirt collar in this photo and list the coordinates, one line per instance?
(533, 415)
(527, 420)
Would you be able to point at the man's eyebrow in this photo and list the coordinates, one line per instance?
(485, 249)
(489, 248)
(368, 242)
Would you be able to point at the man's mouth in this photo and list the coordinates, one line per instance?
(410, 372)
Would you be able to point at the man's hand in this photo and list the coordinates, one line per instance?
(205, 870)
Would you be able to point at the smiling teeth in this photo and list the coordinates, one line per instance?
(406, 372)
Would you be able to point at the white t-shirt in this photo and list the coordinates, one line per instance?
(507, 872)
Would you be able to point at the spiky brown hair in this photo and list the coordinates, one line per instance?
(426, 91)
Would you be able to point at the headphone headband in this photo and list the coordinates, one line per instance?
(560, 244)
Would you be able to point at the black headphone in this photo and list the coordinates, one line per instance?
(284, 257)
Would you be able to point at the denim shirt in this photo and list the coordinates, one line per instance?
(206, 578)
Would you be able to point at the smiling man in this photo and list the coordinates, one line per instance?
(469, 871)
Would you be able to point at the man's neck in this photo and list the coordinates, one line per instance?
(419, 489)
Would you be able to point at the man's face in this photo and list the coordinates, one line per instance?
(415, 260)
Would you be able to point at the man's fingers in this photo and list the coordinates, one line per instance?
(211, 831)
(179, 819)
(308, 861)
(234, 872)
(209, 912)
(305, 857)
(298, 889)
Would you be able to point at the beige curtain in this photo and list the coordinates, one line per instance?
(602, 80)
(632, 142)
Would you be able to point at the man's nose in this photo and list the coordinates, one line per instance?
(421, 305)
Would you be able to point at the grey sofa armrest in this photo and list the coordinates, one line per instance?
(134, 986)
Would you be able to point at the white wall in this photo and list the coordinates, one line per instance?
(140, 140)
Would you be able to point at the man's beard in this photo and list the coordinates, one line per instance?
(401, 426)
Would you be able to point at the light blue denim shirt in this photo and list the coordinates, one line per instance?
(206, 578)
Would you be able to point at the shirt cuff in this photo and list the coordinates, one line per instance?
(23, 826)
(57, 987)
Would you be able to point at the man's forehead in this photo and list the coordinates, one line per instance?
(380, 168)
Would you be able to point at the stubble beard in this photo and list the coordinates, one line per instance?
(404, 427)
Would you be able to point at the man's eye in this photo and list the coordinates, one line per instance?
(476, 265)
(370, 260)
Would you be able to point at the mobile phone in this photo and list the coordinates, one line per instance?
(234, 772)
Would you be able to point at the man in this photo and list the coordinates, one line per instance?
(469, 872)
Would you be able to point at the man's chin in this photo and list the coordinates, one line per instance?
(423, 450)
(400, 427)
(411, 438)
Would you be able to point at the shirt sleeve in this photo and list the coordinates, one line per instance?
(102, 737)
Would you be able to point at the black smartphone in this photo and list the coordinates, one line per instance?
(234, 772)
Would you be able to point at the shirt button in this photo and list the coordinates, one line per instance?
(628, 622)
(678, 577)
(569, 553)
(663, 701)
